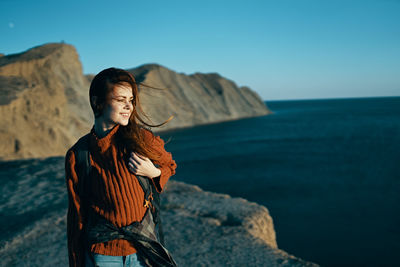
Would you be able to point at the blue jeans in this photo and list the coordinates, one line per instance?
(132, 260)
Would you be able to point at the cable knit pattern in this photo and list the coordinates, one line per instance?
(115, 192)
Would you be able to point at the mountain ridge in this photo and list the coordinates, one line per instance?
(44, 100)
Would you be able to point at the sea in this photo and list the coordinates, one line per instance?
(328, 171)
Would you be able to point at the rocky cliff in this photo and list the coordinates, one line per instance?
(44, 106)
(194, 99)
(44, 100)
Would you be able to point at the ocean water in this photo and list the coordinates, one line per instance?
(327, 170)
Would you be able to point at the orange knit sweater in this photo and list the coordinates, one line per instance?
(115, 193)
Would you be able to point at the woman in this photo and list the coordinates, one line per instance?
(120, 149)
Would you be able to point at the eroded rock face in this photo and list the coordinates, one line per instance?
(44, 105)
(44, 100)
(194, 99)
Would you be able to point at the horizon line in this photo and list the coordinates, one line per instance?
(329, 98)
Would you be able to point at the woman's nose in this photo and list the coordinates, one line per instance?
(128, 104)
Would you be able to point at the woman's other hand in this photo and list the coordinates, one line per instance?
(141, 165)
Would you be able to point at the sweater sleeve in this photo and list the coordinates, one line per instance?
(75, 237)
(166, 163)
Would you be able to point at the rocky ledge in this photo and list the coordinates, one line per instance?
(210, 229)
(201, 228)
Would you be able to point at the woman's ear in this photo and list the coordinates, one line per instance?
(95, 104)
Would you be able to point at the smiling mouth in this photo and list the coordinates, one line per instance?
(126, 115)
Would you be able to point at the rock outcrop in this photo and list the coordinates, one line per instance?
(194, 99)
(44, 100)
(44, 106)
(210, 229)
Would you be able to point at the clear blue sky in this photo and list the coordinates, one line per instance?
(282, 49)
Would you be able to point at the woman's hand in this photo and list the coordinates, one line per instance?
(141, 165)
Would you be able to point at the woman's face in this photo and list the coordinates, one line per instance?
(120, 106)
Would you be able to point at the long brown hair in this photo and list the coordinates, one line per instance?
(129, 137)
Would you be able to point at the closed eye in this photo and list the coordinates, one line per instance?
(123, 100)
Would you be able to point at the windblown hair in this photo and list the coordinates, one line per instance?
(130, 137)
